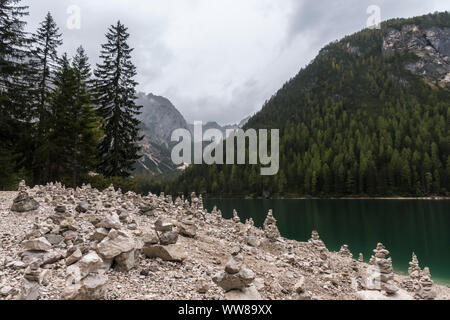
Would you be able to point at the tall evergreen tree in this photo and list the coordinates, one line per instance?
(74, 129)
(13, 87)
(89, 123)
(115, 99)
(45, 59)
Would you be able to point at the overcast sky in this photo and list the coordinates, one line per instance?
(219, 59)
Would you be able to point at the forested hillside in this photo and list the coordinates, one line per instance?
(364, 118)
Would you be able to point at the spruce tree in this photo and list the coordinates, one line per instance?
(61, 127)
(13, 88)
(115, 99)
(74, 130)
(89, 123)
(45, 60)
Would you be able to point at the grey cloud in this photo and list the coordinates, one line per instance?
(219, 60)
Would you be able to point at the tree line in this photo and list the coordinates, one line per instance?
(61, 119)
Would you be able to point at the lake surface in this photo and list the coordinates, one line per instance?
(403, 226)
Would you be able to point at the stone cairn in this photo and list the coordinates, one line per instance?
(270, 227)
(24, 202)
(345, 252)
(319, 246)
(385, 273)
(419, 282)
(236, 280)
(423, 289)
(163, 243)
(316, 242)
(414, 273)
(361, 258)
(252, 238)
(236, 218)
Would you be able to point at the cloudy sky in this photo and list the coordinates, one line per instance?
(218, 59)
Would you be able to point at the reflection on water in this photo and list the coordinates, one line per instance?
(403, 226)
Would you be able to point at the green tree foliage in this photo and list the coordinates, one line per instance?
(115, 96)
(75, 128)
(14, 107)
(46, 41)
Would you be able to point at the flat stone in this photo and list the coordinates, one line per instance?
(40, 244)
(162, 225)
(99, 234)
(173, 252)
(74, 257)
(110, 248)
(187, 230)
(54, 239)
(150, 238)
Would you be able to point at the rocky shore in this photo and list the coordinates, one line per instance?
(61, 243)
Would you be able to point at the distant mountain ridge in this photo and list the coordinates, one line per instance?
(159, 118)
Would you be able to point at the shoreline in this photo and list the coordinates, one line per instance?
(329, 198)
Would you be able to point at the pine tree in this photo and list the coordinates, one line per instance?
(45, 60)
(115, 96)
(14, 69)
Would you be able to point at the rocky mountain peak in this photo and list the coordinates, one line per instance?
(431, 45)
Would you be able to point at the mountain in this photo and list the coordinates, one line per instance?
(370, 115)
(159, 118)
